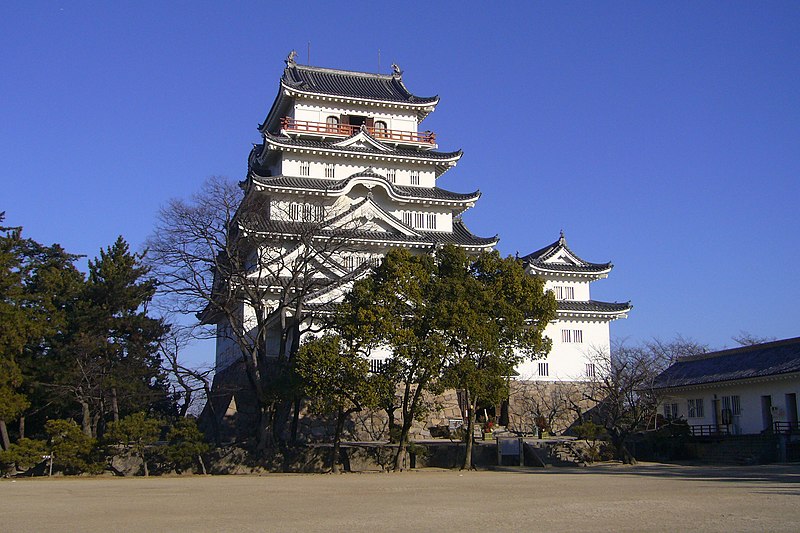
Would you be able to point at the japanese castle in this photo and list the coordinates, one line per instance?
(344, 152)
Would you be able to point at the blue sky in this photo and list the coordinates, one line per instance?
(664, 137)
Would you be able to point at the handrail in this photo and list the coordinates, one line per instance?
(707, 430)
(293, 124)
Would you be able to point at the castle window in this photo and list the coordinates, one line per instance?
(564, 293)
(431, 220)
(419, 220)
(544, 369)
(590, 370)
(407, 218)
(571, 335)
(415, 177)
(329, 170)
(671, 411)
(305, 168)
(332, 124)
(294, 211)
(392, 175)
(380, 128)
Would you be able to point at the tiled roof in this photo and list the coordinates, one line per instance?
(319, 184)
(594, 306)
(461, 236)
(538, 259)
(351, 84)
(398, 152)
(760, 360)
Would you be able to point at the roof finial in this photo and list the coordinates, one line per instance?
(290, 62)
(396, 70)
(561, 238)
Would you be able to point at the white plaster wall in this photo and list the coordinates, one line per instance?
(580, 287)
(315, 111)
(751, 419)
(567, 361)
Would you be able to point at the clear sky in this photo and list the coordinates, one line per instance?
(664, 137)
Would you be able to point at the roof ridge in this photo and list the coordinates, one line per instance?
(738, 350)
(360, 73)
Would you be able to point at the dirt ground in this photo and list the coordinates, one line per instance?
(646, 497)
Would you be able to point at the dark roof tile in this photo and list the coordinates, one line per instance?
(760, 360)
(351, 84)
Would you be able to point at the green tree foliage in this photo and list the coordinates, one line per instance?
(395, 308)
(335, 378)
(24, 454)
(139, 432)
(449, 320)
(71, 450)
(186, 445)
(110, 364)
(493, 316)
(18, 325)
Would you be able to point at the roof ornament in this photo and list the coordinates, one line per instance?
(561, 238)
(290, 61)
(396, 71)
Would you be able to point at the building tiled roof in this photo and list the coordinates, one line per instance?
(460, 236)
(319, 184)
(594, 306)
(396, 152)
(757, 361)
(538, 259)
(361, 85)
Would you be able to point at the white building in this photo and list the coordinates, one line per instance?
(745, 390)
(580, 333)
(345, 152)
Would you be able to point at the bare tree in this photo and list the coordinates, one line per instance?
(624, 393)
(745, 338)
(244, 262)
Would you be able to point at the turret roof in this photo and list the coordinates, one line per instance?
(460, 236)
(541, 259)
(301, 185)
(312, 144)
(351, 84)
(594, 306)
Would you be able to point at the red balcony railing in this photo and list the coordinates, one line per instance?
(292, 124)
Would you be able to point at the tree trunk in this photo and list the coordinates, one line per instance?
(22, 427)
(470, 435)
(402, 446)
(4, 435)
(202, 464)
(337, 440)
(144, 463)
(295, 420)
(214, 421)
(86, 419)
(622, 452)
(114, 404)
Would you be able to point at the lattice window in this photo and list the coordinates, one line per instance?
(408, 218)
(431, 220)
(419, 220)
(392, 175)
(591, 371)
(415, 177)
(329, 172)
(305, 168)
(544, 369)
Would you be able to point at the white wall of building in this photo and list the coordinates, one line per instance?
(567, 359)
(314, 111)
(751, 419)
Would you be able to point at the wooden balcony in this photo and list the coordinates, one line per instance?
(346, 130)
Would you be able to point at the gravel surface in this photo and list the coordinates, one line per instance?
(646, 497)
